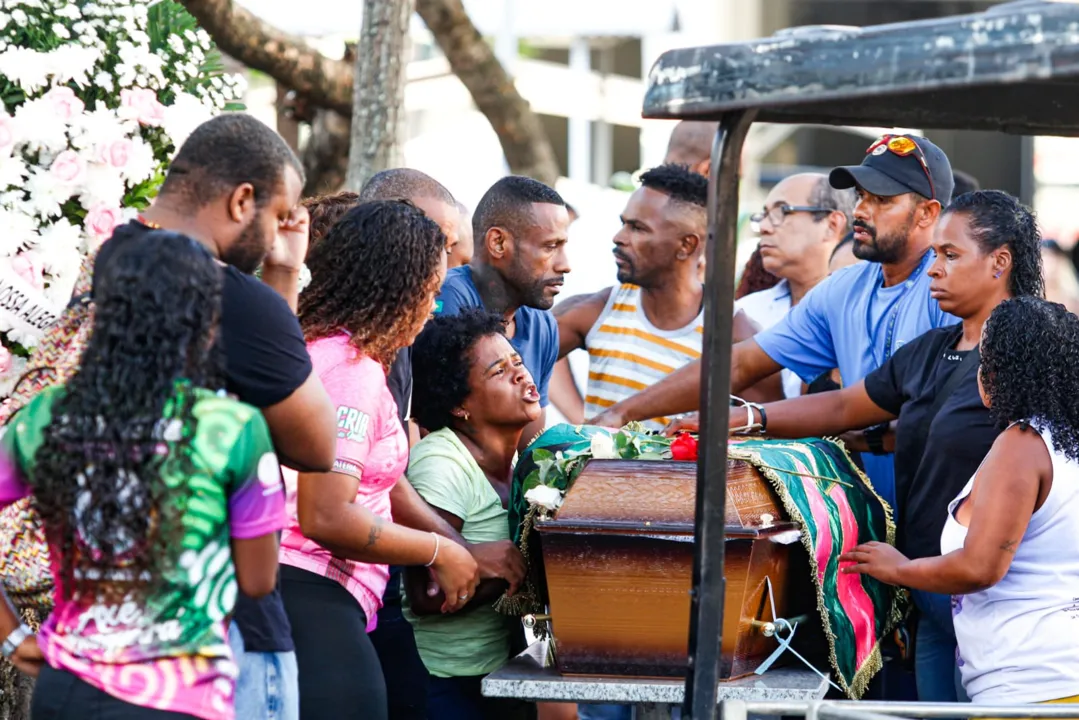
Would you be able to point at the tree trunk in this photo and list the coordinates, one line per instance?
(526, 146)
(378, 89)
(325, 156)
(328, 83)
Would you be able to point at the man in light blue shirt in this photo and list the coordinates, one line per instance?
(855, 319)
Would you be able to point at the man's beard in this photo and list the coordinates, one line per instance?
(627, 273)
(884, 248)
(248, 251)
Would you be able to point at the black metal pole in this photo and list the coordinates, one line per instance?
(709, 585)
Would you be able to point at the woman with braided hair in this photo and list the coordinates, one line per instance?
(374, 276)
(158, 497)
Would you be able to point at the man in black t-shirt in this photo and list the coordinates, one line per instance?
(234, 187)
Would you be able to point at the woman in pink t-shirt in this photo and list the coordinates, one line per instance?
(374, 279)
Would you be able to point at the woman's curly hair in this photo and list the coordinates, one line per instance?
(373, 276)
(1030, 368)
(325, 211)
(754, 277)
(124, 420)
(441, 360)
(995, 220)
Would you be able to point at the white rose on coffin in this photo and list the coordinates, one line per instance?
(603, 447)
(548, 498)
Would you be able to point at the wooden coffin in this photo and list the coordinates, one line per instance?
(618, 563)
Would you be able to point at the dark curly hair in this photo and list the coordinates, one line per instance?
(98, 476)
(441, 359)
(677, 182)
(371, 276)
(225, 152)
(325, 211)
(996, 220)
(754, 277)
(1030, 368)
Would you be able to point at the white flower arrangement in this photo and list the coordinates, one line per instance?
(97, 97)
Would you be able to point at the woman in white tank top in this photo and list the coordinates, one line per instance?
(1010, 548)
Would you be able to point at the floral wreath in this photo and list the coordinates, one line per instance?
(97, 99)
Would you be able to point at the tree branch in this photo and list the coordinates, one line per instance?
(328, 83)
(286, 58)
(524, 142)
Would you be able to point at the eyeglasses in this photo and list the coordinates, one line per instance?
(777, 214)
(902, 146)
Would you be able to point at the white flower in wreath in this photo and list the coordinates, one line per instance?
(185, 114)
(602, 447)
(545, 497)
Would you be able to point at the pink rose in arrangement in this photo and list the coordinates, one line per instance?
(7, 135)
(142, 105)
(5, 360)
(102, 220)
(64, 102)
(118, 153)
(68, 167)
(28, 267)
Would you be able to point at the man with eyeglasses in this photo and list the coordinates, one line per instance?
(802, 221)
(856, 318)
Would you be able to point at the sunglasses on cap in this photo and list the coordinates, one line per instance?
(903, 146)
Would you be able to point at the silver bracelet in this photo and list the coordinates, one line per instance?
(14, 640)
(437, 545)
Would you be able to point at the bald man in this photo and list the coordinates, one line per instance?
(691, 145)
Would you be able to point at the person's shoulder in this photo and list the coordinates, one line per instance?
(440, 449)
(852, 275)
(931, 342)
(458, 291)
(209, 404)
(250, 287)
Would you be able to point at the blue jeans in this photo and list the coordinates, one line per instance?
(268, 686)
(604, 712)
(935, 668)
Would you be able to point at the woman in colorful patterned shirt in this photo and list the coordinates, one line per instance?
(158, 498)
(373, 283)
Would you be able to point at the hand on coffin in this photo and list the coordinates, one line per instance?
(877, 559)
(500, 560)
(612, 417)
(685, 423)
(456, 573)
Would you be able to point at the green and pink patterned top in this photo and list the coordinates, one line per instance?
(169, 650)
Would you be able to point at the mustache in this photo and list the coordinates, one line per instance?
(620, 255)
(559, 280)
(869, 229)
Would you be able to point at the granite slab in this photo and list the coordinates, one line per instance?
(527, 677)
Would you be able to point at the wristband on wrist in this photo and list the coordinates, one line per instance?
(438, 544)
(874, 438)
(14, 640)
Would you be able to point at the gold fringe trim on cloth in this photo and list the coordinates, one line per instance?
(873, 664)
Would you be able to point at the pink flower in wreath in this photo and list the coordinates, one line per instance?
(5, 360)
(102, 220)
(118, 153)
(142, 104)
(65, 103)
(68, 167)
(28, 267)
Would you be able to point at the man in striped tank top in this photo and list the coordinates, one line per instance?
(652, 323)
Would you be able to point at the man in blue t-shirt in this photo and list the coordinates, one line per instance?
(518, 265)
(860, 315)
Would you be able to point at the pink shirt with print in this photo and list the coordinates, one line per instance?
(371, 447)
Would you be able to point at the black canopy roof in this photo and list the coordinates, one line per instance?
(1014, 68)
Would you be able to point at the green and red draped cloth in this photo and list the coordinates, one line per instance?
(819, 487)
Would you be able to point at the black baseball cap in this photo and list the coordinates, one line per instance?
(886, 173)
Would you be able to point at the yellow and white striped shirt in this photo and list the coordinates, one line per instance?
(628, 354)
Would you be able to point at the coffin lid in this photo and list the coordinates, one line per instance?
(658, 498)
(1014, 68)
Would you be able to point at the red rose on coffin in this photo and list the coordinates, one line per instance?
(684, 447)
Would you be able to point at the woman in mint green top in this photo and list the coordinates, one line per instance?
(473, 393)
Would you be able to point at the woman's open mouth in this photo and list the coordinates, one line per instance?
(531, 394)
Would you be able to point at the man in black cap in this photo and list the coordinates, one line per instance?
(856, 318)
